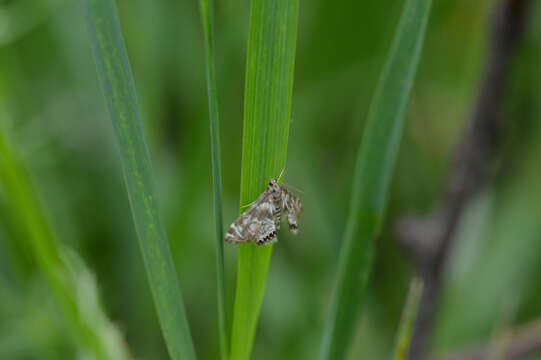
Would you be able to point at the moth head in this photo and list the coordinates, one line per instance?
(273, 185)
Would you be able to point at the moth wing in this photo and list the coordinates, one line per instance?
(267, 231)
(240, 231)
(277, 210)
(293, 208)
(247, 226)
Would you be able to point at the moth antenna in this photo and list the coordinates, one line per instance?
(294, 188)
(281, 173)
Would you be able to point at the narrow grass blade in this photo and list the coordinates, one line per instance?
(406, 321)
(119, 90)
(207, 17)
(88, 324)
(372, 176)
(267, 110)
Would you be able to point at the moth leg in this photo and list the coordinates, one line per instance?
(247, 205)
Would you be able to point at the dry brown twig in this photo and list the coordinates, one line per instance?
(524, 341)
(428, 240)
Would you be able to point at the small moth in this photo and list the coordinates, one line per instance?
(260, 222)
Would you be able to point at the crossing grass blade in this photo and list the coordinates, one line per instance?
(372, 177)
(267, 111)
(89, 326)
(119, 90)
(407, 318)
(207, 17)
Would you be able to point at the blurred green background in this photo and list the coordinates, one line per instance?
(52, 105)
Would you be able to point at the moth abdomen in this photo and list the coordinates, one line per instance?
(294, 228)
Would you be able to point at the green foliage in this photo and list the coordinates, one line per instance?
(117, 83)
(73, 290)
(61, 132)
(372, 177)
(267, 111)
(207, 16)
(408, 317)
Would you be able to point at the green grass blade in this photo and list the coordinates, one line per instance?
(88, 324)
(267, 110)
(119, 90)
(407, 319)
(372, 176)
(207, 16)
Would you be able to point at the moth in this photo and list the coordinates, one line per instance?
(259, 223)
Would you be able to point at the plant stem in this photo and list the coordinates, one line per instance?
(407, 319)
(117, 83)
(207, 16)
(267, 111)
(373, 170)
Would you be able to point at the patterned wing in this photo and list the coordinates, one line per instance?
(277, 208)
(293, 208)
(275, 192)
(267, 231)
(255, 224)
